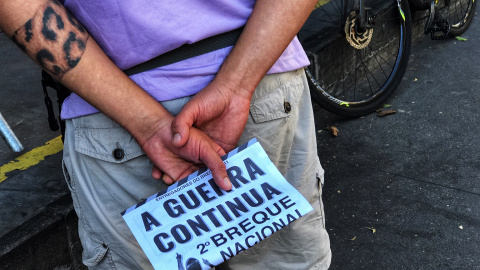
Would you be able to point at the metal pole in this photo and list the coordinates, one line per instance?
(9, 136)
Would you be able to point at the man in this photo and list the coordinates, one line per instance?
(121, 132)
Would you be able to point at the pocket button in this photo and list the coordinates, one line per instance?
(287, 107)
(118, 154)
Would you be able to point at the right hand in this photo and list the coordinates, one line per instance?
(179, 162)
(219, 110)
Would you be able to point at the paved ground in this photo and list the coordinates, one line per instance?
(36, 218)
(402, 191)
(22, 105)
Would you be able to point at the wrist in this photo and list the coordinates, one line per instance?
(146, 125)
(238, 84)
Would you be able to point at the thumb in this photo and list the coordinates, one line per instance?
(181, 125)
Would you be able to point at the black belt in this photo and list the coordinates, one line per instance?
(187, 51)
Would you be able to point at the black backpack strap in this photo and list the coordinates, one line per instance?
(182, 53)
(62, 94)
(188, 51)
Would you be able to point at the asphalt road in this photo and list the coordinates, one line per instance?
(403, 191)
(24, 193)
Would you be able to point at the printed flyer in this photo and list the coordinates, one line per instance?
(196, 225)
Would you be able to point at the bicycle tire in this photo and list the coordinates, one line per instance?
(459, 14)
(352, 81)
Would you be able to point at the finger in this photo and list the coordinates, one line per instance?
(156, 173)
(191, 170)
(181, 127)
(167, 179)
(212, 160)
(159, 175)
(175, 174)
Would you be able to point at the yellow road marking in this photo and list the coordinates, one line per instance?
(32, 157)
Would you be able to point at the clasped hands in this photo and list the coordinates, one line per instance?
(208, 127)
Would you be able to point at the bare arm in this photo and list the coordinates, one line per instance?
(269, 30)
(59, 44)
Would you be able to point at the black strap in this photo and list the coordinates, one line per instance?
(188, 51)
(62, 94)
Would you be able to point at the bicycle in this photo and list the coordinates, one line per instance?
(359, 49)
(449, 17)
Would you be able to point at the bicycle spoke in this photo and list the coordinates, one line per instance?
(459, 14)
(343, 70)
(384, 44)
(328, 14)
(461, 9)
(339, 9)
(355, 82)
(380, 65)
(320, 21)
(365, 69)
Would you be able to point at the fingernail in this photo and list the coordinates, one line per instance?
(177, 138)
(227, 183)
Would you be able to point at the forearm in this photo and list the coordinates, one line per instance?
(101, 83)
(60, 45)
(268, 32)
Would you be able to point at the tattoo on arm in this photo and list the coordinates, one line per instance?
(53, 38)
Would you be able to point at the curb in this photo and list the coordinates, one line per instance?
(49, 240)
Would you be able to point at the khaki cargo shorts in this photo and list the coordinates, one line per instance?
(107, 172)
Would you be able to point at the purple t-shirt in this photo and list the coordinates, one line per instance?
(132, 32)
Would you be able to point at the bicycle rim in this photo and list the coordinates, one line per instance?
(459, 13)
(352, 76)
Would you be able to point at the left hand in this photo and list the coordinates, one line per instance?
(219, 110)
(172, 163)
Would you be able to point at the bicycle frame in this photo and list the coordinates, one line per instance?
(441, 24)
(364, 18)
(363, 13)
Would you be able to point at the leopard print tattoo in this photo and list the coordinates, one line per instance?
(53, 38)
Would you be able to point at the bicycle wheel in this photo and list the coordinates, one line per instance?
(459, 14)
(353, 69)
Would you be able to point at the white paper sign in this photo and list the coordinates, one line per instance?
(195, 225)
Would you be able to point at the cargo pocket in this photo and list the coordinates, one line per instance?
(114, 145)
(274, 111)
(106, 148)
(274, 102)
(93, 250)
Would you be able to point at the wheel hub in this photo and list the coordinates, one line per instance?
(357, 39)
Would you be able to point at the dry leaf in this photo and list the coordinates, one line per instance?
(353, 238)
(333, 130)
(381, 113)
